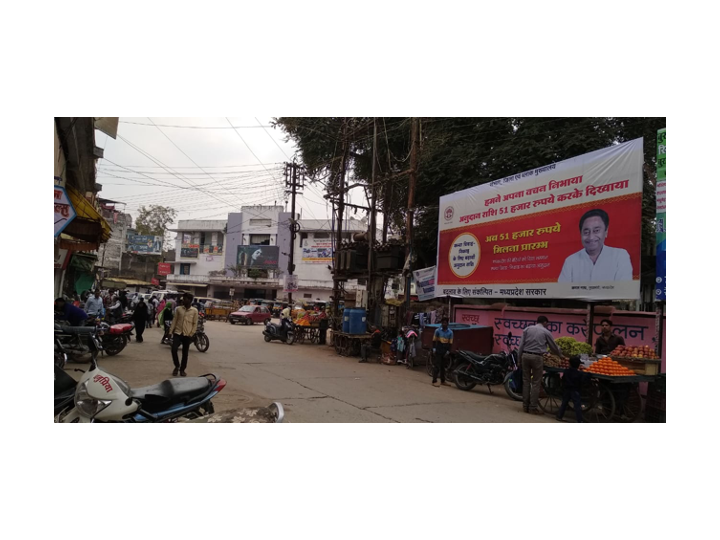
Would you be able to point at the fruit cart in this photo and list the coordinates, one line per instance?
(307, 327)
(613, 394)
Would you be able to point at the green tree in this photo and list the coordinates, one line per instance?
(154, 220)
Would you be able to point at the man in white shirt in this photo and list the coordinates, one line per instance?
(596, 261)
(94, 305)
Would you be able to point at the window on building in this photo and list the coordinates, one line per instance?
(322, 236)
(187, 238)
(185, 269)
(261, 222)
(202, 239)
(259, 239)
(172, 268)
(307, 295)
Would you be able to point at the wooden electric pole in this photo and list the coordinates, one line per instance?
(411, 202)
(292, 185)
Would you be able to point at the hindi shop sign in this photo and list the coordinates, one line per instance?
(317, 252)
(64, 210)
(567, 230)
(425, 283)
(163, 269)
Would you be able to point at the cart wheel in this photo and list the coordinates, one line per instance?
(550, 393)
(628, 402)
(337, 344)
(602, 408)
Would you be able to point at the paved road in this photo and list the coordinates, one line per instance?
(313, 383)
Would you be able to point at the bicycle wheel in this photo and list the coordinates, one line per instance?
(602, 408)
(429, 362)
(550, 393)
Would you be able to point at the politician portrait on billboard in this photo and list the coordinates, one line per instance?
(596, 261)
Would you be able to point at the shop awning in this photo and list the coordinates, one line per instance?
(136, 282)
(113, 284)
(187, 284)
(89, 225)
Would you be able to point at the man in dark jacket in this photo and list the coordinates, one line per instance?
(140, 318)
(74, 315)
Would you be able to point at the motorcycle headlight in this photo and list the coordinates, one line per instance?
(87, 405)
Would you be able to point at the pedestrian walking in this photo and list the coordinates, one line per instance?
(533, 345)
(140, 318)
(183, 329)
(442, 342)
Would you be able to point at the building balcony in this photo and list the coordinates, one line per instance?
(189, 279)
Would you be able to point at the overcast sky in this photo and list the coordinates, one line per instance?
(204, 171)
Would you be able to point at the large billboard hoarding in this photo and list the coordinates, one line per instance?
(265, 257)
(661, 218)
(145, 244)
(567, 230)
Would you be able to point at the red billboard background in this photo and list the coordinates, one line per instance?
(508, 268)
(163, 269)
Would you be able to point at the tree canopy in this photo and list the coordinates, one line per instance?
(154, 220)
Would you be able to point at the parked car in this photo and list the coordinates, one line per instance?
(250, 315)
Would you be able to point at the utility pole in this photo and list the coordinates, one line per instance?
(341, 207)
(411, 202)
(292, 185)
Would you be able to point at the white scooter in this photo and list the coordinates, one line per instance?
(103, 397)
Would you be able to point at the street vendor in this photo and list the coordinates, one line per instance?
(607, 342)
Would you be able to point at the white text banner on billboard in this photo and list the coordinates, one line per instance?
(566, 230)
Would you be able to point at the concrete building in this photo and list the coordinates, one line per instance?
(199, 248)
(214, 257)
(110, 254)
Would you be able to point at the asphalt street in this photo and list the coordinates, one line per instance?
(312, 382)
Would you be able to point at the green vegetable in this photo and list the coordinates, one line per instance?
(581, 348)
(566, 345)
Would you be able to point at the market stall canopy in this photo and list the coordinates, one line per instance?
(113, 284)
(89, 225)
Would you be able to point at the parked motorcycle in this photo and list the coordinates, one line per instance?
(115, 336)
(103, 397)
(284, 332)
(472, 369)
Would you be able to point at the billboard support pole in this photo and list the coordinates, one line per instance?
(591, 316)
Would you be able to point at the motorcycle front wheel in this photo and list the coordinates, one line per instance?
(290, 338)
(268, 339)
(202, 342)
(462, 380)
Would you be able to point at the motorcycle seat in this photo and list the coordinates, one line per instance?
(171, 392)
(476, 357)
(120, 328)
(76, 330)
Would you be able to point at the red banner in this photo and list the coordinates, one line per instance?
(155, 281)
(534, 248)
(164, 269)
